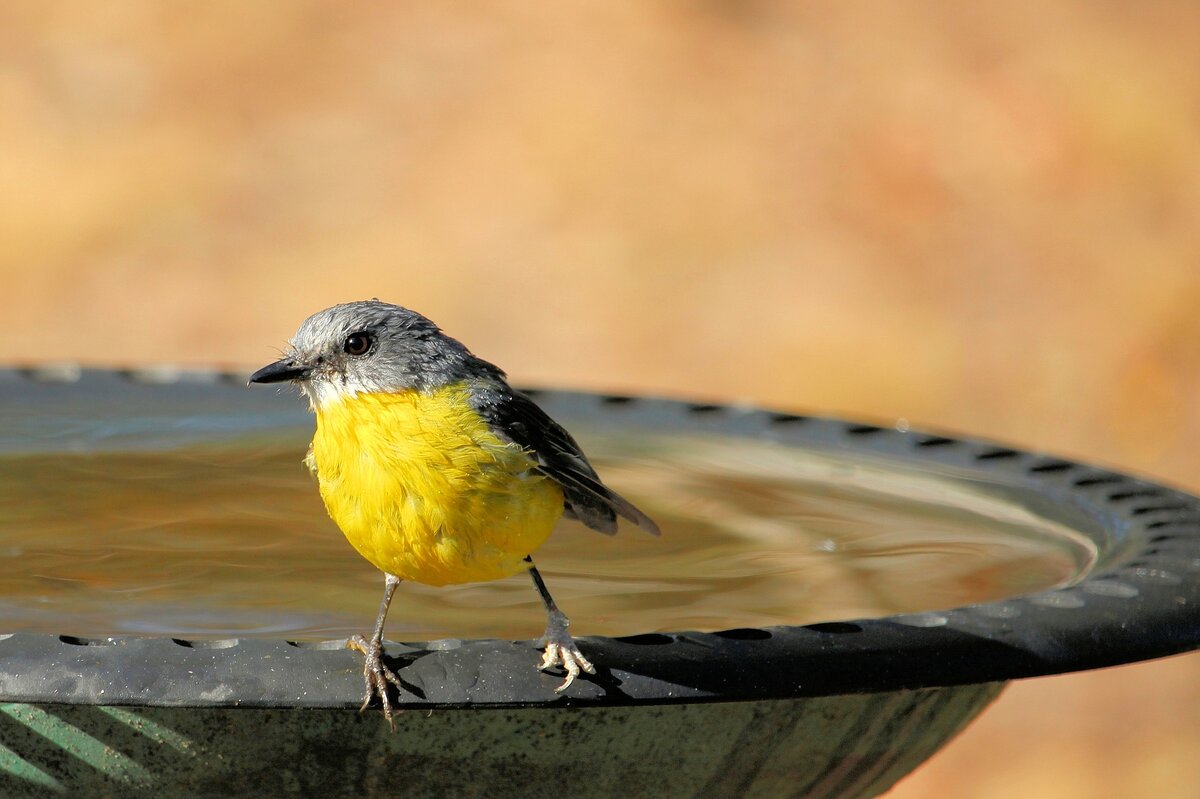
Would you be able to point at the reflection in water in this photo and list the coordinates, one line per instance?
(229, 538)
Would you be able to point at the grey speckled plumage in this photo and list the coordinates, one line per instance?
(409, 350)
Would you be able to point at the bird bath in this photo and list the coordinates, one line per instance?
(829, 603)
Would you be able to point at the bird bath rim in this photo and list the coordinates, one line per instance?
(1141, 601)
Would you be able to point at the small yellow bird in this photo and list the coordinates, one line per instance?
(436, 470)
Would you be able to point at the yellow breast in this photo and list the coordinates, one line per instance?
(424, 490)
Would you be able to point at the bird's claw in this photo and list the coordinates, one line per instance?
(376, 675)
(561, 650)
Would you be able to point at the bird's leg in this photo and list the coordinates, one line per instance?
(376, 675)
(560, 647)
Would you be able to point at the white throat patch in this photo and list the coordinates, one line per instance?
(323, 393)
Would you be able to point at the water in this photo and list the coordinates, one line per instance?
(208, 526)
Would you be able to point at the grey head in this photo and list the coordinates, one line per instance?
(372, 346)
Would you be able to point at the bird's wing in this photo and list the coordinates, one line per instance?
(517, 418)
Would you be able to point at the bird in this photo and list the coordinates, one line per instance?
(435, 469)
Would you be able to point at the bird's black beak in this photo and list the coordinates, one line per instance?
(280, 371)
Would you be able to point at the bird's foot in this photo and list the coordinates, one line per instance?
(376, 675)
(561, 650)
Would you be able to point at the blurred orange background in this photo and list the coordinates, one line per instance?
(981, 218)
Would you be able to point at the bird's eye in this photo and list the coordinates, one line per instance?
(358, 343)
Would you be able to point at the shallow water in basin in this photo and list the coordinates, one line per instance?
(156, 529)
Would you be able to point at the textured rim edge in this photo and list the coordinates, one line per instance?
(1142, 602)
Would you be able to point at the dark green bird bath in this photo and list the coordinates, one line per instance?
(187, 674)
